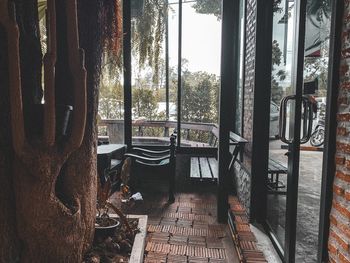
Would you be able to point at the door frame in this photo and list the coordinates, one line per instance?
(328, 169)
(294, 147)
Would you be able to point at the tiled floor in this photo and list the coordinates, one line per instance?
(185, 231)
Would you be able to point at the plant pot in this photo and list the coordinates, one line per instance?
(106, 230)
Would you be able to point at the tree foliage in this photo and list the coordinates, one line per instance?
(144, 103)
(148, 34)
(214, 7)
(199, 97)
(317, 67)
(208, 7)
(111, 101)
(280, 75)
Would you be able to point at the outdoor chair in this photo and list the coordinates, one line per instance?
(159, 164)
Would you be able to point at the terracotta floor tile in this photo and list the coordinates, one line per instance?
(182, 232)
(196, 241)
(176, 259)
(184, 223)
(184, 209)
(197, 260)
(214, 242)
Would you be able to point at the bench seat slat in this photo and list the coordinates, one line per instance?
(205, 170)
(195, 172)
(275, 166)
(214, 167)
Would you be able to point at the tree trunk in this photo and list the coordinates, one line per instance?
(9, 243)
(48, 196)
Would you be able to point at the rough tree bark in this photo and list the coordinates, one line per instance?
(48, 195)
(9, 243)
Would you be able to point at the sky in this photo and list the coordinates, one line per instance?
(201, 39)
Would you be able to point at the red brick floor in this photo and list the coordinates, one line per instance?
(185, 231)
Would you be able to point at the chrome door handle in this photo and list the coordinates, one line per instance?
(308, 119)
(283, 119)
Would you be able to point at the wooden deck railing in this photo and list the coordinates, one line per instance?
(115, 130)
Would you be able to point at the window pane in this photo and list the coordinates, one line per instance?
(201, 52)
(148, 70)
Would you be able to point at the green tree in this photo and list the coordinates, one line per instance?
(111, 101)
(144, 103)
(198, 97)
(280, 75)
(148, 34)
(317, 67)
(199, 101)
(208, 7)
(214, 7)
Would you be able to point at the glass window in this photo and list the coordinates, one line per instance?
(149, 104)
(201, 52)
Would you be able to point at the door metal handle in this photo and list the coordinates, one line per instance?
(283, 119)
(308, 119)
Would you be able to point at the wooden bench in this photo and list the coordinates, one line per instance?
(206, 168)
(274, 185)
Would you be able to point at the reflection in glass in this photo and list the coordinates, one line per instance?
(280, 87)
(239, 91)
(310, 165)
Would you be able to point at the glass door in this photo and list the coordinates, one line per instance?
(281, 88)
(298, 91)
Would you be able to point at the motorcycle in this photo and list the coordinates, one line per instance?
(317, 136)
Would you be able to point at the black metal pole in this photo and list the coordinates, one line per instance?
(261, 109)
(127, 70)
(285, 45)
(229, 80)
(179, 77)
(167, 58)
(295, 126)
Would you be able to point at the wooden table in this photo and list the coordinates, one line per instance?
(274, 185)
(109, 157)
(107, 149)
(102, 139)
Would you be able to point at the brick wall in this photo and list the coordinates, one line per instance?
(249, 81)
(339, 237)
(243, 171)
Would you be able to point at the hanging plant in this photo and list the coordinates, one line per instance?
(148, 34)
(112, 30)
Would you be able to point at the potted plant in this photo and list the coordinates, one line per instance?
(105, 225)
